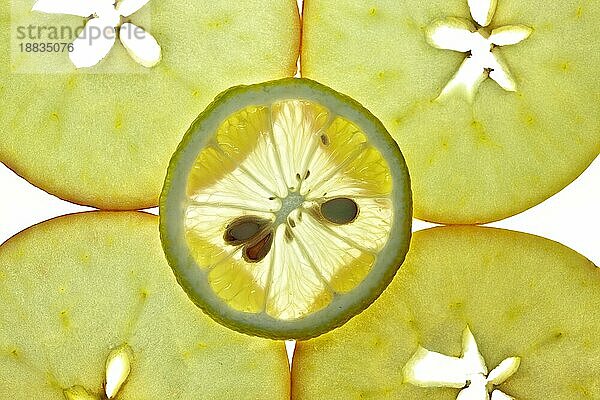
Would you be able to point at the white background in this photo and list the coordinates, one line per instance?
(571, 217)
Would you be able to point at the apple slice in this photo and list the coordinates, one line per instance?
(528, 123)
(473, 312)
(91, 310)
(103, 135)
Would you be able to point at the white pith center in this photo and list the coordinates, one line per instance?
(469, 372)
(483, 60)
(105, 22)
(292, 202)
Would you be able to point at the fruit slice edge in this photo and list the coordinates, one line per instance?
(77, 286)
(173, 203)
(103, 138)
(521, 295)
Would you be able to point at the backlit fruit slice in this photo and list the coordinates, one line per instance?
(479, 160)
(103, 136)
(286, 209)
(90, 310)
(529, 306)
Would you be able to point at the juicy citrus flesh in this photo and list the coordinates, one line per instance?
(471, 162)
(103, 136)
(277, 152)
(286, 208)
(80, 288)
(520, 295)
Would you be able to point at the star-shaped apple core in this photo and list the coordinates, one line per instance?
(118, 368)
(473, 38)
(104, 19)
(469, 372)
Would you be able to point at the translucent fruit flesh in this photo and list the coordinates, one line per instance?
(471, 161)
(103, 136)
(295, 136)
(520, 295)
(91, 308)
(286, 208)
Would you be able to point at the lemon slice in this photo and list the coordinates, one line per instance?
(286, 209)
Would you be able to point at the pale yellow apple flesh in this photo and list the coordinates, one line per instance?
(78, 288)
(520, 295)
(470, 162)
(103, 136)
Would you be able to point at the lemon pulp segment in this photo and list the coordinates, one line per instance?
(287, 206)
(293, 157)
